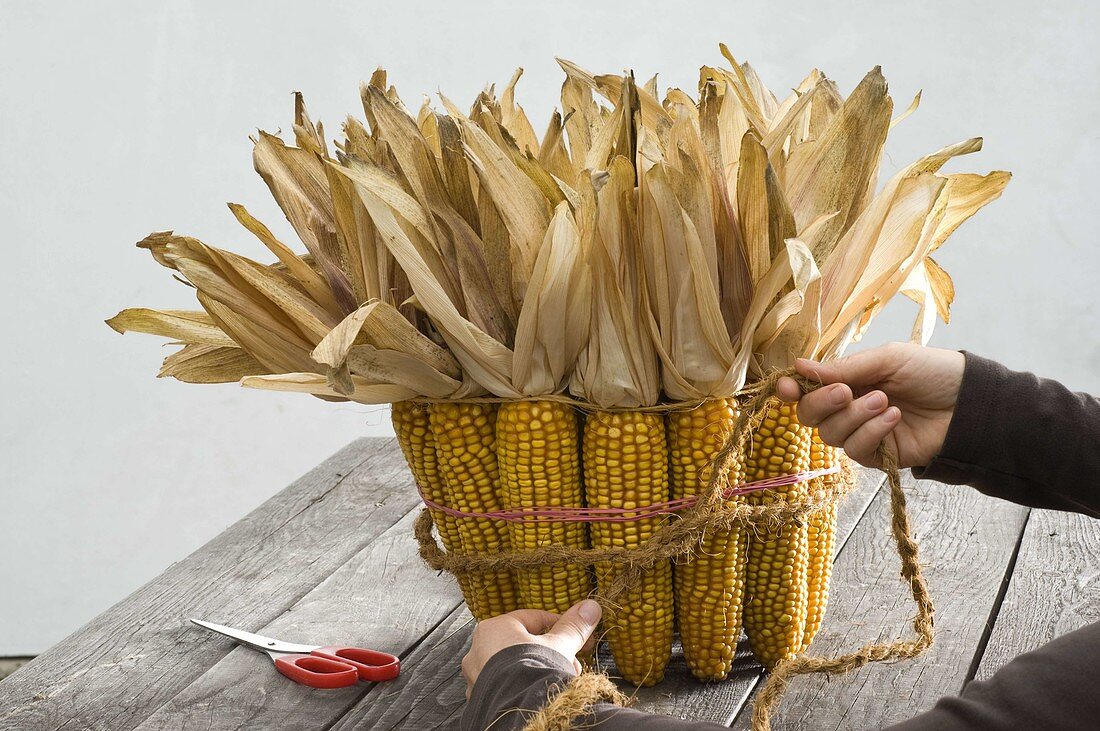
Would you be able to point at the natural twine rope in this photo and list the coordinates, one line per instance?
(574, 701)
(684, 535)
(585, 406)
(675, 539)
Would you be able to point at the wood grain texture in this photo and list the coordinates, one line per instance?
(967, 542)
(384, 598)
(115, 671)
(1054, 589)
(430, 693)
(435, 666)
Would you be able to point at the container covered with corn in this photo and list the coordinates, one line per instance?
(565, 325)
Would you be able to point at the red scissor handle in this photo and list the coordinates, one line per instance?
(317, 671)
(371, 665)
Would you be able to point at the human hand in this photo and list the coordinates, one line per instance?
(568, 634)
(901, 393)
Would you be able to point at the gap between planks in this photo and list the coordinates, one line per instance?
(998, 602)
(1054, 590)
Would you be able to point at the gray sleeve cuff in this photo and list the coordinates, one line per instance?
(514, 683)
(963, 445)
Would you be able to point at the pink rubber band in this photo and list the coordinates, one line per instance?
(624, 515)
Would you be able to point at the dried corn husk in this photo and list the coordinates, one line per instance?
(645, 249)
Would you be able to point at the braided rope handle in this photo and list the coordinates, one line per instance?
(923, 624)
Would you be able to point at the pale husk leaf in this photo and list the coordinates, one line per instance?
(899, 239)
(485, 359)
(277, 354)
(777, 278)
(231, 291)
(363, 391)
(848, 263)
(553, 324)
(692, 341)
(515, 119)
(913, 105)
(918, 287)
(307, 316)
(618, 367)
(185, 325)
(297, 181)
(205, 363)
(969, 193)
(792, 328)
(517, 199)
(399, 369)
(837, 171)
(310, 280)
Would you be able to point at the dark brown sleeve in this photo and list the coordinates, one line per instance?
(516, 681)
(1022, 438)
(1053, 687)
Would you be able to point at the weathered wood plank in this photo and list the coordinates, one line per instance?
(967, 541)
(140, 653)
(436, 697)
(430, 693)
(1055, 587)
(384, 598)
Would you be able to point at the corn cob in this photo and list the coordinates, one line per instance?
(821, 537)
(775, 614)
(414, 434)
(710, 584)
(626, 466)
(466, 448)
(539, 457)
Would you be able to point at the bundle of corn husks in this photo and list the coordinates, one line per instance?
(566, 321)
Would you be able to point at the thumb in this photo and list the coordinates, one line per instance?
(571, 632)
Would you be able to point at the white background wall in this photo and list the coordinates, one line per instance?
(117, 119)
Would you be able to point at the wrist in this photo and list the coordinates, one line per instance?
(504, 662)
(961, 429)
(517, 676)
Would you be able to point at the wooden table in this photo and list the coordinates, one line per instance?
(331, 559)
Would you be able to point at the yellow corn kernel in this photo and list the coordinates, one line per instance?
(414, 434)
(821, 540)
(465, 436)
(626, 466)
(775, 573)
(710, 583)
(538, 451)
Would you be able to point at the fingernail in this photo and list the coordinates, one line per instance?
(837, 396)
(892, 414)
(876, 401)
(590, 611)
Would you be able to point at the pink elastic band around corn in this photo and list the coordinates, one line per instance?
(625, 515)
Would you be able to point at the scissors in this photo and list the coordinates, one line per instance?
(316, 666)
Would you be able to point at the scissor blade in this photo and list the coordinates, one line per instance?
(258, 642)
